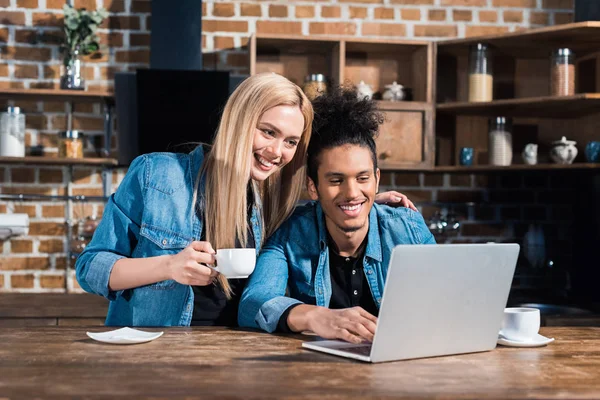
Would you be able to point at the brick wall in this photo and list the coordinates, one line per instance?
(29, 58)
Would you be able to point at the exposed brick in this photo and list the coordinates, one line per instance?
(82, 176)
(488, 16)
(436, 30)
(52, 281)
(47, 228)
(146, 7)
(139, 39)
(305, 11)
(230, 26)
(563, 18)
(53, 211)
(15, 189)
(484, 229)
(417, 195)
(333, 28)
(51, 176)
(485, 30)
(133, 56)
(116, 6)
(26, 53)
(362, 1)
(22, 175)
(3, 70)
(27, 3)
(26, 71)
(558, 4)
(121, 22)
(112, 39)
(51, 246)
(36, 122)
(406, 179)
(88, 192)
(459, 196)
(436, 15)
(278, 11)
(21, 263)
(47, 19)
(87, 4)
(12, 17)
(33, 36)
(511, 196)
(514, 3)
(385, 179)
(460, 180)
(60, 262)
(4, 35)
(55, 4)
(539, 18)
(79, 122)
(468, 3)
(22, 281)
(513, 16)
(335, 12)
(28, 209)
(223, 42)
(410, 14)
(434, 179)
(1, 282)
(2, 208)
(223, 9)
(252, 10)
(11, 85)
(384, 13)
(376, 29)
(21, 246)
(357, 12)
(462, 15)
(413, 2)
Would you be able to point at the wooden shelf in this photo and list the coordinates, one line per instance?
(79, 96)
(545, 107)
(33, 160)
(404, 105)
(490, 168)
(582, 37)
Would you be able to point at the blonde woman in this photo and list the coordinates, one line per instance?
(172, 211)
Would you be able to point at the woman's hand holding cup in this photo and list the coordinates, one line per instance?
(186, 267)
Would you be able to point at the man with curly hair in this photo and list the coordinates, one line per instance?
(332, 254)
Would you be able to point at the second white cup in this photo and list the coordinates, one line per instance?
(520, 323)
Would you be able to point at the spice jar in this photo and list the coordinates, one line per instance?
(12, 133)
(314, 85)
(70, 144)
(481, 80)
(500, 141)
(562, 73)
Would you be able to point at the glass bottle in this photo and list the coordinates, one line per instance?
(562, 73)
(314, 85)
(70, 144)
(500, 141)
(12, 133)
(481, 80)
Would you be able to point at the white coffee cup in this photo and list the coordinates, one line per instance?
(235, 263)
(520, 323)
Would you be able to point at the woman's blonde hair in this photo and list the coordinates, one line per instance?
(227, 167)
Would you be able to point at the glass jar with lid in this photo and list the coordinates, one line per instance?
(314, 85)
(12, 133)
(481, 79)
(500, 141)
(70, 144)
(562, 73)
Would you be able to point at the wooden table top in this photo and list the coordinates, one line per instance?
(63, 362)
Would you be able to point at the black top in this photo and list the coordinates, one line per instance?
(211, 307)
(349, 286)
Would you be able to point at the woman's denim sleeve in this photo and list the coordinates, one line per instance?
(117, 233)
(263, 300)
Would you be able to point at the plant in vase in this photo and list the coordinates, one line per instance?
(80, 40)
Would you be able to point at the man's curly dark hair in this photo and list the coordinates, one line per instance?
(341, 117)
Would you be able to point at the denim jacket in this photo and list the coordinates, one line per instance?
(296, 258)
(150, 214)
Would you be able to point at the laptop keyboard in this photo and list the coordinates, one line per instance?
(362, 350)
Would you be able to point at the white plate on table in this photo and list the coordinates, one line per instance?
(124, 336)
(537, 341)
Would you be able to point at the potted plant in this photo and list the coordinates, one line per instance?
(80, 40)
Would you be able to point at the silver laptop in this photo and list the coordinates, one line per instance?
(438, 300)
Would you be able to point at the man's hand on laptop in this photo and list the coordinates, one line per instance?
(354, 325)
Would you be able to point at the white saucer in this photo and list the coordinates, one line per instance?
(124, 336)
(537, 341)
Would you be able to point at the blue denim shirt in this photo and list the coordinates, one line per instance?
(296, 258)
(150, 214)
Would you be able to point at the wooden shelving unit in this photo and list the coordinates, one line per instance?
(521, 71)
(79, 96)
(517, 167)
(33, 160)
(406, 139)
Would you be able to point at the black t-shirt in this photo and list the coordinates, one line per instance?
(211, 307)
